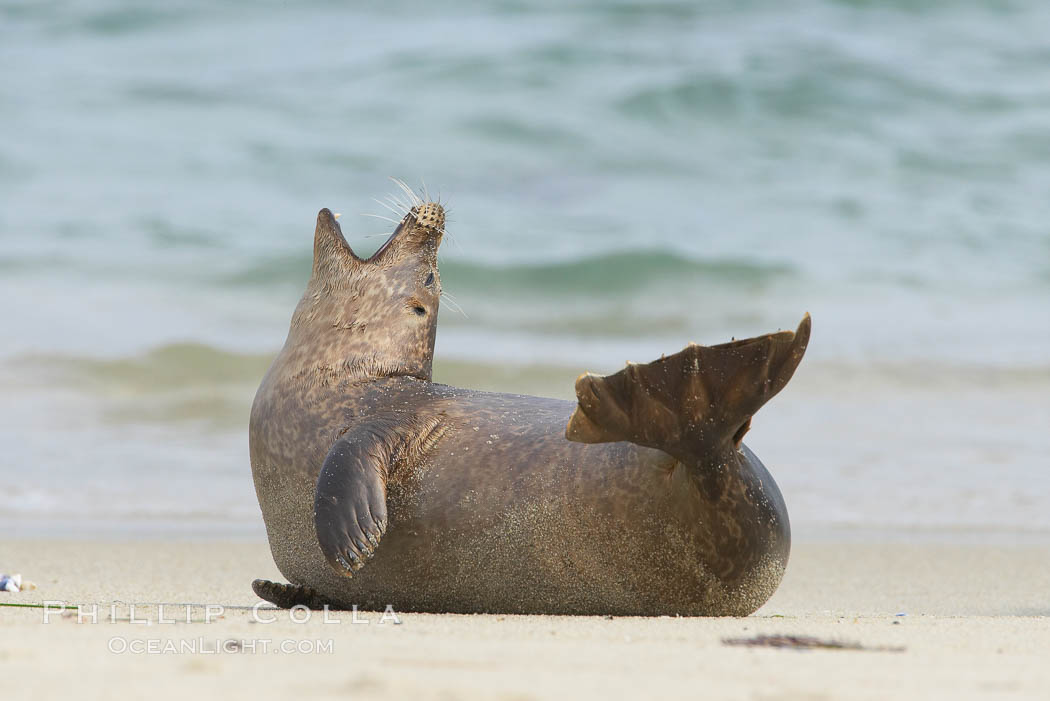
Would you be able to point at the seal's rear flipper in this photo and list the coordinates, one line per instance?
(350, 502)
(696, 402)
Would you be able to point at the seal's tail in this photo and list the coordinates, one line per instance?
(696, 402)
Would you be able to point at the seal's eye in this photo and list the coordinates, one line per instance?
(419, 310)
(430, 280)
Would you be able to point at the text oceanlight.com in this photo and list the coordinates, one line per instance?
(120, 645)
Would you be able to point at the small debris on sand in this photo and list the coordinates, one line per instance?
(804, 642)
(13, 583)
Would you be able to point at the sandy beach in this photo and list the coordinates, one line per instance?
(936, 621)
(620, 179)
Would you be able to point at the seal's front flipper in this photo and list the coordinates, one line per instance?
(288, 595)
(694, 403)
(350, 502)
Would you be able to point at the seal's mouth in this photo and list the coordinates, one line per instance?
(417, 235)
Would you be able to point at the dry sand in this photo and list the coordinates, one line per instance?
(971, 619)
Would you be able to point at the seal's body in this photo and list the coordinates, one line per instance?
(380, 487)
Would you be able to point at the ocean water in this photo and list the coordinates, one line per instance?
(622, 178)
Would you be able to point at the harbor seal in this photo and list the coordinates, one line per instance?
(380, 487)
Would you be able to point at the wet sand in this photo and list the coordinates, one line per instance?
(936, 621)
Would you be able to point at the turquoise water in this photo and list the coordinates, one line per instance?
(622, 178)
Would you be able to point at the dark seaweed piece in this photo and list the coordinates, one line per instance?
(805, 642)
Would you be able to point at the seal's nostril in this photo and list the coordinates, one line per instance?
(430, 280)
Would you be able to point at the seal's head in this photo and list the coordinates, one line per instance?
(371, 317)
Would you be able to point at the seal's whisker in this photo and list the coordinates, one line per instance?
(397, 199)
(453, 304)
(380, 216)
(415, 194)
(392, 209)
(397, 203)
(452, 239)
(426, 193)
(406, 209)
(400, 183)
(412, 196)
